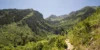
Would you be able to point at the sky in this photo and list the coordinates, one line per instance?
(48, 7)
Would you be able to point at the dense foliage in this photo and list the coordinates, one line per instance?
(19, 27)
(25, 29)
(86, 34)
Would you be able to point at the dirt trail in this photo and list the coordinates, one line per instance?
(70, 46)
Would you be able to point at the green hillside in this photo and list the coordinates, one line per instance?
(76, 16)
(18, 27)
(86, 34)
(26, 29)
(71, 19)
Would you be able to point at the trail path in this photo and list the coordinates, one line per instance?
(70, 46)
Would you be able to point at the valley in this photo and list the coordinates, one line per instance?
(26, 29)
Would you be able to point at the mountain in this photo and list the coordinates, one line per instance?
(55, 18)
(68, 21)
(85, 35)
(26, 29)
(20, 26)
(77, 16)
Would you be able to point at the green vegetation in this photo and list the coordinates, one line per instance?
(86, 34)
(54, 43)
(25, 29)
(19, 27)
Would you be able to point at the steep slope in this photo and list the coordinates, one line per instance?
(25, 29)
(82, 28)
(18, 27)
(76, 16)
(73, 18)
(86, 35)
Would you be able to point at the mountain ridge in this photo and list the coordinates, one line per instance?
(26, 29)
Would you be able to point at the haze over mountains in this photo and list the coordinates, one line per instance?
(26, 29)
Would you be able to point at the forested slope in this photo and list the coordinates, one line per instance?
(20, 26)
(86, 34)
(26, 29)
